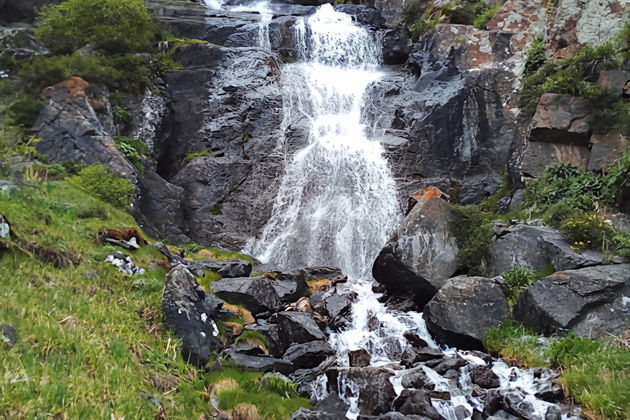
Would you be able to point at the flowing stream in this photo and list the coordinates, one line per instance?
(337, 203)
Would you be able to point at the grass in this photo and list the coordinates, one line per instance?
(596, 373)
(91, 342)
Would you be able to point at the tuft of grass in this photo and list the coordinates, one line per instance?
(594, 372)
(189, 157)
(517, 279)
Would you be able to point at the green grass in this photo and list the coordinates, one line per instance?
(596, 373)
(91, 342)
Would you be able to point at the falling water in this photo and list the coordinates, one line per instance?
(337, 202)
(337, 205)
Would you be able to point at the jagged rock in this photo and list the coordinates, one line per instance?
(256, 294)
(297, 327)
(550, 392)
(446, 364)
(561, 119)
(308, 355)
(514, 403)
(588, 302)
(227, 269)
(484, 377)
(261, 363)
(290, 286)
(391, 10)
(76, 124)
(606, 149)
(422, 254)
(359, 358)
(415, 340)
(393, 415)
(188, 311)
(416, 402)
(372, 400)
(535, 248)
(463, 311)
(276, 347)
(553, 413)
(395, 44)
(8, 334)
(416, 378)
(539, 155)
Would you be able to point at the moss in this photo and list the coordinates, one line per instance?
(189, 157)
(473, 234)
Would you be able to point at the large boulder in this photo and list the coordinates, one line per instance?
(188, 311)
(297, 327)
(422, 254)
(256, 294)
(561, 119)
(537, 248)
(463, 311)
(76, 124)
(590, 302)
(309, 354)
(372, 399)
(290, 286)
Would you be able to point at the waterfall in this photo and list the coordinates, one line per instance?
(337, 202)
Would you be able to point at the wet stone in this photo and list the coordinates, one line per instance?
(484, 377)
(359, 358)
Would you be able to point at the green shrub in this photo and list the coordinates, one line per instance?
(590, 232)
(97, 180)
(122, 117)
(24, 111)
(517, 279)
(134, 149)
(114, 26)
(536, 56)
(482, 19)
(559, 212)
(473, 233)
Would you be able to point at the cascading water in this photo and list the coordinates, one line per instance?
(337, 203)
(337, 206)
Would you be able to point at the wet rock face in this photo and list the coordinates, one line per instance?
(463, 311)
(76, 124)
(453, 71)
(188, 311)
(372, 400)
(422, 254)
(589, 302)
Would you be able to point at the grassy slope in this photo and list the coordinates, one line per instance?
(91, 342)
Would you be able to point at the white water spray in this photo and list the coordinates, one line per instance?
(337, 202)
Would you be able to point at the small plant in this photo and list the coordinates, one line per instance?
(279, 384)
(588, 232)
(97, 180)
(122, 117)
(536, 56)
(517, 279)
(134, 149)
(482, 20)
(24, 111)
(471, 228)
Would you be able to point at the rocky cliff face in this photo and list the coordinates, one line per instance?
(445, 109)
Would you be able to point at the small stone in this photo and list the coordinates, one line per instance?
(359, 358)
(9, 334)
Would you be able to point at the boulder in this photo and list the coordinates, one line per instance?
(76, 124)
(359, 358)
(536, 248)
(589, 302)
(416, 378)
(256, 294)
(561, 119)
(309, 354)
(463, 311)
(297, 327)
(422, 254)
(484, 377)
(330, 408)
(395, 44)
(539, 155)
(290, 286)
(188, 311)
(372, 399)
(416, 402)
(259, 362)
(8, 334)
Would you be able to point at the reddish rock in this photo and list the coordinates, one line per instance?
(538, 156)
(605, 149)
(525, 18)
(561, 119)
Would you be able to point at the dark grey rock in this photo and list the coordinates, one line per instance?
(290, 286)
(550, 392)
(553, 413)
(297, 327)
(395, 44)
(9, 334)
(261, 363)
(188, 311)
(309, 354)
(586, 301)
(256, 294)
(535, 248)
(484, 377)
(416, 402)
(372, 400)
(416, 378)
(463, 311)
